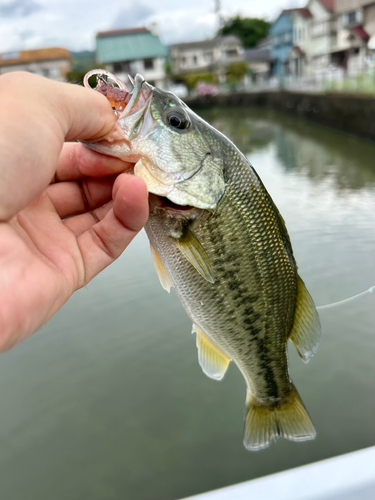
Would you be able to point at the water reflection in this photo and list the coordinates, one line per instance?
(324, 155)
(108, 400)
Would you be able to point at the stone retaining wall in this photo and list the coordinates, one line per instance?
(355, 114)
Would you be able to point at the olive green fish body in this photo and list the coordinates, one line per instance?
(217, 238)
(248, 312)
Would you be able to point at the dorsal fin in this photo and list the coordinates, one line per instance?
(213, 361)
(160, 269)
(305, 333)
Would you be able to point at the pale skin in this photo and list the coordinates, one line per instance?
(66, 212)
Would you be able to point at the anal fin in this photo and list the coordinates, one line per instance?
(160, 269)
(288, 418)
(213, 361)
(305, 333)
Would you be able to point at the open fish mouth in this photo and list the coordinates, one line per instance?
(120, 98)
(131, 104)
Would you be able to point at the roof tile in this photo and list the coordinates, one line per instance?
(35, 55)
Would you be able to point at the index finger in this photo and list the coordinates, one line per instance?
(39, 115)
(77, 161)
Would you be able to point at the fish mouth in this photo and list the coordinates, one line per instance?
(166, 204)
(121, 98)
(134, 123)
(130, 104)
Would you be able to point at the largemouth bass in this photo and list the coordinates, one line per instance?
(218, 239)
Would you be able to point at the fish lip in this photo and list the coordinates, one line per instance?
(141, 89)
(139, 103)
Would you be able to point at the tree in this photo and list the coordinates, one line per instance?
(236, 71)
(249, 30)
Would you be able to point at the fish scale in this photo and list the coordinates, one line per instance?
(254, 341)
(217, 238)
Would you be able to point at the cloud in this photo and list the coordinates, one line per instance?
(19, 8)
(135, 15)
(185, 25)
(26, 35)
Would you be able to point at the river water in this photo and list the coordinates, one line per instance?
(108, 401)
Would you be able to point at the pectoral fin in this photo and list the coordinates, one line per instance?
(213, 362)
(193, 251)
(305, 333)
(160, 269)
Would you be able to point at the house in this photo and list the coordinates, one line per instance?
(289, 40)
(299, 55)
(52, 62)
(259, 61)
(131, 51)
(323, 31)
(355, 27)
(205, 56)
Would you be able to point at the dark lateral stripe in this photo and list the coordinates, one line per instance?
(265, 366)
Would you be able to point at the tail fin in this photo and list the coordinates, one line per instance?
(289, 419)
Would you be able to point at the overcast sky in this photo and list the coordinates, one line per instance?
(26, 24)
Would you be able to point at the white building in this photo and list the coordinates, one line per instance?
(53, 62)
(205, 55)
(300, 53)
(131, 51)
(355, 27)
(322, 33)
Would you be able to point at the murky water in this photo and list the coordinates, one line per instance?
(108, 401)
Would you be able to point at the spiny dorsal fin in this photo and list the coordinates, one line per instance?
(160, 269)
(213, 362)
(265, 424)
(193, 251)
(305, 333)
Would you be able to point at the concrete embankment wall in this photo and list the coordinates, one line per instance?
(354, 114)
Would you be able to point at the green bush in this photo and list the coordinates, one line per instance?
(191, 79)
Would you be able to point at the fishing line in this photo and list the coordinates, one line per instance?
(345, 301)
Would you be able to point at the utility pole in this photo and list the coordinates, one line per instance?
(220, 23)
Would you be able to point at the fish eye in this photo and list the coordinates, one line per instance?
(177, 119)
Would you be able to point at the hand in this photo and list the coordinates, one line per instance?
(65, 213)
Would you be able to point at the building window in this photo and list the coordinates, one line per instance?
(194, 59)
(54, 72)
(148, 64)
(352, 17)
(10, 55)
(121, 67)
(231, 52)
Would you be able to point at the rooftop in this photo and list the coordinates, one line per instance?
(33, 56)
(360, 33)
(328, 4)
(304, 13)
(205, 44)
(258, 55)
(121, 32)
(128, 45)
